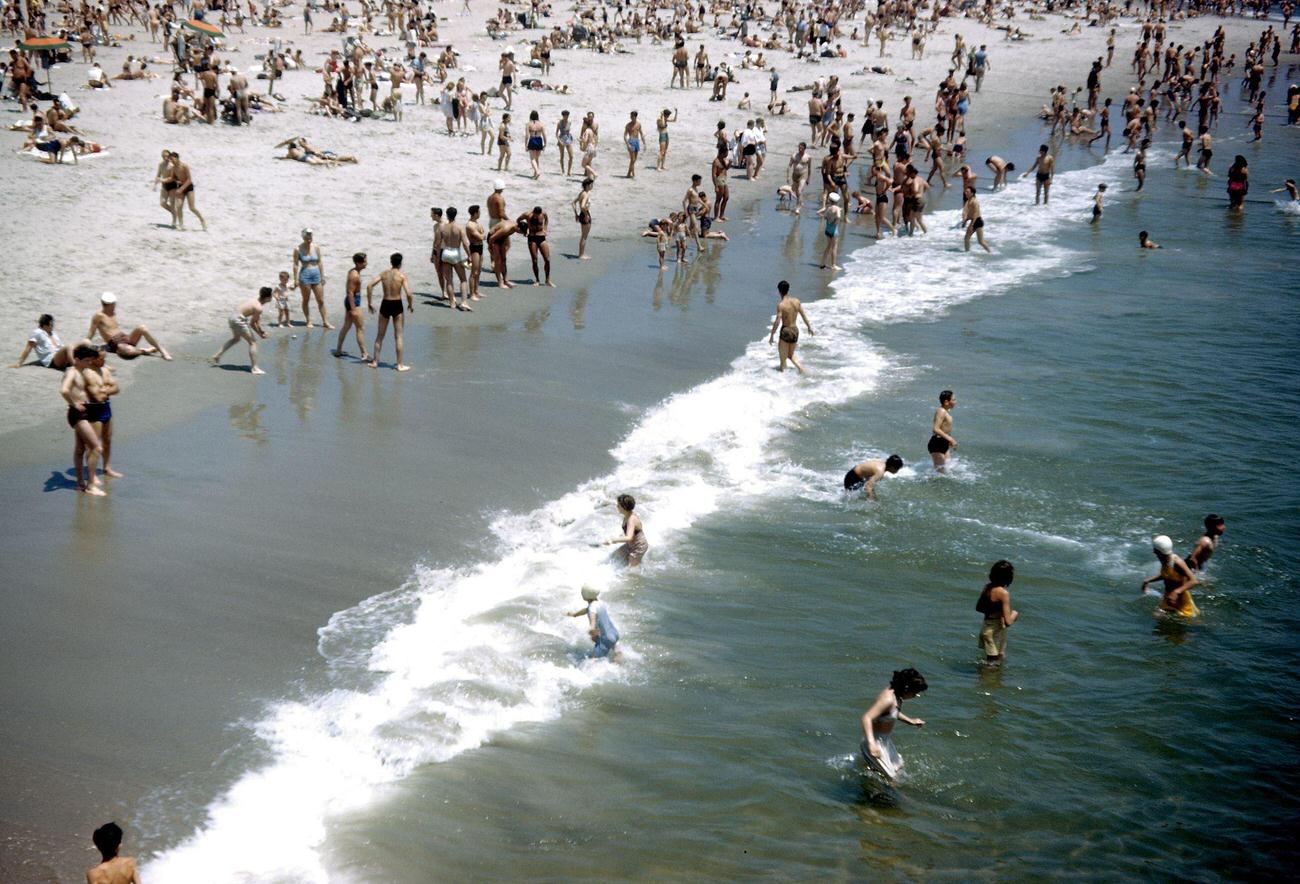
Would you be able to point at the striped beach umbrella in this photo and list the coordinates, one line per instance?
(203, 27)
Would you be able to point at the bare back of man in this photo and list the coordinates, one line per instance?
(395, 286)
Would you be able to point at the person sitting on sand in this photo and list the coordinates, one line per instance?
(43, 341)
(866, 474)
(604, 634)
(124, 345)
(96, 78)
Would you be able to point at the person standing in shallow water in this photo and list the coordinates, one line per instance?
(878, 722)
(1207, 543)
(941, 441)
(1177, 578)
(788, 312)
(995, 604)
(635, 546)
(114, 869)
(600, 626)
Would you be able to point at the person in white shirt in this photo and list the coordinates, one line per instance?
(49, 350)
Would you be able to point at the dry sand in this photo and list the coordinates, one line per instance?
(76, 231)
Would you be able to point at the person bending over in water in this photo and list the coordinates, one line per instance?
(1178, 580)
(1207, 543)
(995, 604)
(633, 539)
(941, 440)
(114, 869)
(601, 628)
(878, 722)
(869, 472)
(246, 325)
(788, 311)
(1145, 241)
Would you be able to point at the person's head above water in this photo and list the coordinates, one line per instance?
(1162, 545)
(947, 397)
(907, 683)
(1002, 573)
(783, 288)
(893, 463)
(590, 593)
(626, 502)
(1214, 524)
(395, 259)
(108, 839)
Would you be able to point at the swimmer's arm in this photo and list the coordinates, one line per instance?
(1008, 615)
(66, 389)
(410, 298)
(775, 324)
(577, 613)
(1189, 580)
(878, 708)
(27, 349)
(369, 290)
(914, 722)
(806, 323)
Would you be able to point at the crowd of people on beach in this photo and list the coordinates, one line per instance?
(879, 168)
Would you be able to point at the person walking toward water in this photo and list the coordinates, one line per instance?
(833, 215)
(970, 214)
(869, 472)
(114, 869)
(1177, 577)
(395, 285)
(352, 315)
(941, 440)
(633, 539)
(878, 722)
(244, 323)
(788, 312)
(995, 604)
(1097, 203)
(1207, 543)
(604, 634)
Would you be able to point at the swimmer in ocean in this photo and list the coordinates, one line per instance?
(869, 472)
(603, 632)
(1207, 543)
(788, 312)
(995, 604)
(1145, 241)
(941, 440)
(1289, 186)
(1177, 577)
(878, 721)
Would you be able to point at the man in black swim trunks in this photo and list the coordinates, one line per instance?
(941, 440)
(869, 472)
(788, 312)
(395, 285)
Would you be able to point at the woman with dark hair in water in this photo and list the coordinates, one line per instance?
(878, 721)
(995, 604)
(1238, 184)
(633, 539)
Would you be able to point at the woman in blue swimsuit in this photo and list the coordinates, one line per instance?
(309, 271)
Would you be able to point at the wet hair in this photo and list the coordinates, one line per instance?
(395, 259)
(783, 287)
(908, 681)
(533, 115)
(107, 838)
(627, 502)
(1042, 148)
(85, 351)
(1002, 573)
(1212, 521)
(358, 257)
(893, 463)
(451, 213)
(1142, 234)
(945, 396)
(1011, 167)
(46, 319)
(265, 293)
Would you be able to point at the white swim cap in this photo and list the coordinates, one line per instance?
(108, 298)
(1162, 544)
(590, 593)
(306, 232)
(498, 185)
(835, 197)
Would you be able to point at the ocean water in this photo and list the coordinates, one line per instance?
(1104, 395)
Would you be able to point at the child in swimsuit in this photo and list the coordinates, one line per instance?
(282, 299)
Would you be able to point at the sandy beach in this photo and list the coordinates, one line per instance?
(97, 227)
(317, 633)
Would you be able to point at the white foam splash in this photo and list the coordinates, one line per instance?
(436, 668)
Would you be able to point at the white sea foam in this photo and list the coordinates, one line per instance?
(426, 672)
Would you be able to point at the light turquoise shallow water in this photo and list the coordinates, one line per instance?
(448, 728)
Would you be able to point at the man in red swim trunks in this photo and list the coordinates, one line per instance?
(125, 345)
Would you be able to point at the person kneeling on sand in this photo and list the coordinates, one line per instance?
(601, 628)
(244, 323)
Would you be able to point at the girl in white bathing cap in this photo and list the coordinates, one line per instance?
(1177, 577)
(601, 628)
